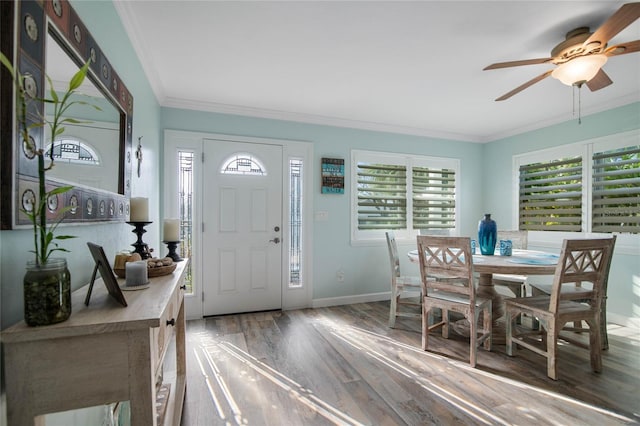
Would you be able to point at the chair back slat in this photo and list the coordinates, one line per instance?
(394, 260)
(583, 261)
(446, 264)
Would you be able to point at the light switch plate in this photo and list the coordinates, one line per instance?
(322, 216)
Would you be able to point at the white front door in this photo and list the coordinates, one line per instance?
(242, 227)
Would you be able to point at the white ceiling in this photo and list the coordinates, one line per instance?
(407, 67)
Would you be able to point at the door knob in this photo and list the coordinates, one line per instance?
(276, 240)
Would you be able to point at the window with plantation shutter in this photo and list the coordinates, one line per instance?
(616, 190)
(550, 196)
(400, 192)
(590, 187)
(382, 196)
(434, 198)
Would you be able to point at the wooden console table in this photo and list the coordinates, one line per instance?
(103, 353)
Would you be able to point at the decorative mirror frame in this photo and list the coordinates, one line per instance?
(18, 178)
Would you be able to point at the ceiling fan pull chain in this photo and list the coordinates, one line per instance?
(573, 89)
(580, 104)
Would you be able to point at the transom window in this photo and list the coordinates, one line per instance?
(243, 164)
(72, 150)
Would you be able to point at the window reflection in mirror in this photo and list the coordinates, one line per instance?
(98, 134)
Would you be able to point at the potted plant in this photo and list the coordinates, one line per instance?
(47, 282)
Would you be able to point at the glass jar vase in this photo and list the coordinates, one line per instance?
(487, 235)
(47, 292)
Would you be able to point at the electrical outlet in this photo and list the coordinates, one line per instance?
(340, 276)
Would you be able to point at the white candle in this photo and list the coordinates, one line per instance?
(171, 230)
(139, 209)
(136, 273)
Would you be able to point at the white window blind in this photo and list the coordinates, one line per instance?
(616, 190)
(402, 192)
(434, 198)
(550, 196)
(382, 196)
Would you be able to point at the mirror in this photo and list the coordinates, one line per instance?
(88, 153)
(47, 38)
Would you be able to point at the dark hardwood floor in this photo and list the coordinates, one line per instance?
(343, 365)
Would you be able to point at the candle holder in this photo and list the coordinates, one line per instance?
(172, 245)
(140, 246)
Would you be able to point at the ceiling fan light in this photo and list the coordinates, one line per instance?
(579, 70)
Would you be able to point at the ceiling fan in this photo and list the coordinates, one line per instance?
(581, 55)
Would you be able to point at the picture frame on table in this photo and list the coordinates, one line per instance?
(108, 277)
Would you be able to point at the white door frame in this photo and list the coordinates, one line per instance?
(174, 140)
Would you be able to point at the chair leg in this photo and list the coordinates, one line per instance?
(535, 324)
(604, 336)
(473, 337)
(426, 316)
(595, 345)
(393, 307)
(552, 350)
(519, 291)
(508, 333)
(445, 326)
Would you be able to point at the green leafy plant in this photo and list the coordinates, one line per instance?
(44, 238)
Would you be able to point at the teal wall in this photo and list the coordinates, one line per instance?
(624, 278)
(365, 267)
(486, 176)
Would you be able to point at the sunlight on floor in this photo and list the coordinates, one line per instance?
(429, 371)
(627, 332)
(292, 388)
(366, 342)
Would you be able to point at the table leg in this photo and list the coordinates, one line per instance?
(487, 290)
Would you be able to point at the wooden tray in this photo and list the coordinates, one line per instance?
(161, 270)
(158, 271)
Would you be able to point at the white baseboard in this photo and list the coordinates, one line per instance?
(631, 322)
(348, 300)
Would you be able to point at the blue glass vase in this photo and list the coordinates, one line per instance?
(487, 235)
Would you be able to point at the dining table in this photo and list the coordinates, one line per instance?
(520, 262)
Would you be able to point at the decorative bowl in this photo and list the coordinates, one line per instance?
(161, 270)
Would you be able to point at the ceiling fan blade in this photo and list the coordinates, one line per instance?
(517, 63)
(617, 22)
(524, 86)
(600, 81)
(623, 48)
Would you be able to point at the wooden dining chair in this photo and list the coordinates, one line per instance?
(515, 283)
(575, 291)
(446, 270)
(400, 285)
(580, 261)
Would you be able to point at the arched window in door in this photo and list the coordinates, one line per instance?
(243, 164)
(73, 150)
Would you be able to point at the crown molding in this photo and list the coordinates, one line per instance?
(615, 103)
(170, 102)
(127, 16)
